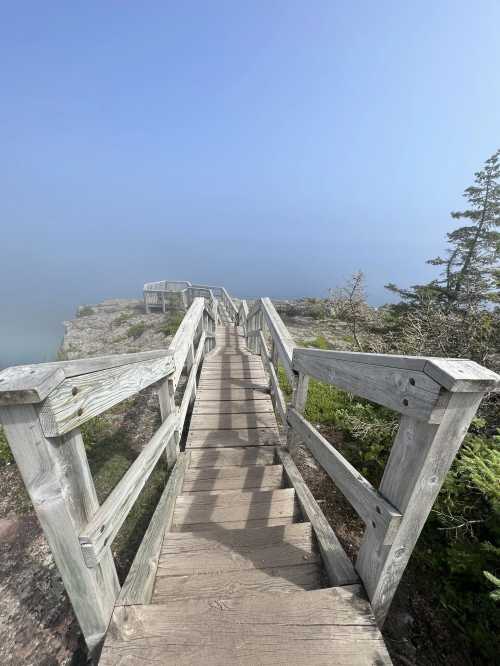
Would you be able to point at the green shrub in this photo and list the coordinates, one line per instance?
(85, 311)
(6, 457)
(136, 330)
(122, 318)
(171, 324)
(319, 342)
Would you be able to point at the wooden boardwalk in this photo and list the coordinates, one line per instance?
(240, 578)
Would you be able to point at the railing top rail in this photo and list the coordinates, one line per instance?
(455, 375)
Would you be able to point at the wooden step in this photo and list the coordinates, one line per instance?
(233, 478)
(219, 550)
(232, 406)
(274, 580)
(235, 507)
(232, 383)
(245, 437)
(232, 421)
(232, 393)
(201, 458)
(312, 628)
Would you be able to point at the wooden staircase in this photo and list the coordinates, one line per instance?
(239, 564)
(240, 579)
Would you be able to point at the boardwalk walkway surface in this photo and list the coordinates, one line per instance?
(240, 579)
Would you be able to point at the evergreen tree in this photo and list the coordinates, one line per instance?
(470, 270)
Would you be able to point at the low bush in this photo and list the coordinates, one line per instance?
(85, 311)
(171, 323)
(136, 330)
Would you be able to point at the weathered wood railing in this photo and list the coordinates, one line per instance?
(167, 294)
(42, 408)
(437, 400)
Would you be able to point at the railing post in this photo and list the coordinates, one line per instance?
(57, 477)
(299, 399)
(420, 457)
(166, 398)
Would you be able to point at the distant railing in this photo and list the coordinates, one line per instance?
(437, 400)
(42, 408)
(178, 295)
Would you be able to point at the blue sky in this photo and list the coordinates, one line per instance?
(273, 147)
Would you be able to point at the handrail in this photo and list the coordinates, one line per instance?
(161, 293)
(436, 398)
(41, 409)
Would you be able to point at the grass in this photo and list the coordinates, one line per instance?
(171, 324)
(136, 330)
(319, 342)
(110, 454)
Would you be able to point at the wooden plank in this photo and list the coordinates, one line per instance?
(244, 507)
(185, 554)
(365, 499)
(59, 484)
(78, 399)
(232, 394)
(233, 406)
(233, 438)
(281, 336)
(420, 458)
(408, 392)
(271, 580)
(138, 586)
(245, 373)
(103, 526)
(237, 524)
(275, 389)
(185, 335)
(314, 628)
(208, 499)
(240, 383)
(232, 421)
(190, 388)
(232, 478)
(338, 566)
(26, 384)
(461, 375)
(228, 456)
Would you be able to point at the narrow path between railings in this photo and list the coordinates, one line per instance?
(239, 576)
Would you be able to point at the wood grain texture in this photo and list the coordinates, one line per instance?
(371, 506)
(420, 458)
(237, 550)
(320, 627)
(245, 457)
(233, 406)
(232, 438)
(409, 392)
(247, 507)
(270, 580)
(138, 586)
(339, 567)
(104, 525)
(62, 502)
(232, 394)
(79, 399)
(27, 384)
(233, 478)
(232, 421)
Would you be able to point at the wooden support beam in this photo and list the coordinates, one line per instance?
(103, 526)
(80, 398)
(138, 586)
(371, 506)
(338, 566)
(56, 475)
(420, 458)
